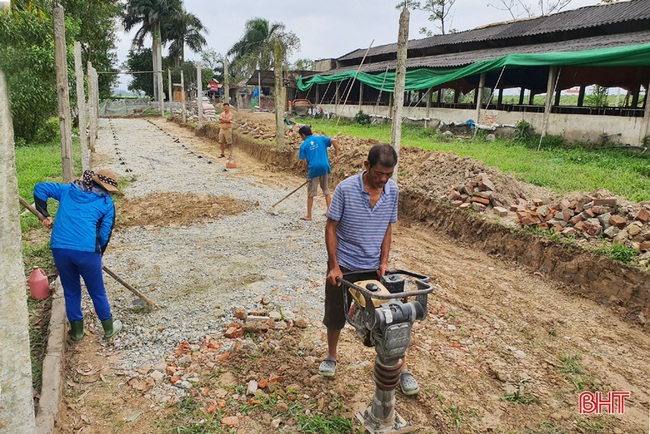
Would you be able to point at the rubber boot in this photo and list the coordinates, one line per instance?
(76, 332)
(111, 327)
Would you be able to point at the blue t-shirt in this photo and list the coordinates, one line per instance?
(361, 229)
(314, 150)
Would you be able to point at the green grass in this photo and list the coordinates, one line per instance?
(562, 169)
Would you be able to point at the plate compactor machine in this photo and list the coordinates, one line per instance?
(383, 313)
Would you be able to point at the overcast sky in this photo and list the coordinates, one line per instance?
(329, 28)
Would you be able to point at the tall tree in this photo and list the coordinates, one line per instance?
(255, 48)
(150, 15)
(439, 13)
(97, 22)
(521, 8)
(184, 29)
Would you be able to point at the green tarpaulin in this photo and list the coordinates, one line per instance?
(418, 79)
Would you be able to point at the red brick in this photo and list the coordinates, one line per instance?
(543, 225)
(600, 209)
(486, 184)
(643, 215)
(521, 214)
(610, 201)
(558, 228)
(501, 212)
(618, 221)
(485, 194)
(453, 195)
(525, 221)
(565, 204)
(538, 202)
(479, 199)
(464, 205)
(582, 226)
(644, 245)
(234, 333)
(457, 203)
(575, 219)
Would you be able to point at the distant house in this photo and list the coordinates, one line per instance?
(606, 45)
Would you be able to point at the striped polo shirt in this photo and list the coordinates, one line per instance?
(361, 229)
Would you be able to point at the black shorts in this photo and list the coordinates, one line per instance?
(335, 311)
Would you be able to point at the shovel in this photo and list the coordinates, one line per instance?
(272, 211)
(146, 299)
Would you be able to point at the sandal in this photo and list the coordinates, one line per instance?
(408, 385)
(327, 368)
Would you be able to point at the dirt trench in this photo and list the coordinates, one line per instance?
(517, 329)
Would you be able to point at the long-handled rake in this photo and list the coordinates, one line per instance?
(272, 211)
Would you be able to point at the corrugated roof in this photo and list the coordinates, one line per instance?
(581, 18)
(453, 60)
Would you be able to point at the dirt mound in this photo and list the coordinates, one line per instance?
(176, 209)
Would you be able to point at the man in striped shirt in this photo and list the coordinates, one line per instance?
(358, 237)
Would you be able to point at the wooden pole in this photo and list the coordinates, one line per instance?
(645, 123)
(199, 94)
(81, 106)
(479, 99)
(183, 97)
(278, 55)
(553, 75)
(61, 70)
(16, 399)
(400, 80)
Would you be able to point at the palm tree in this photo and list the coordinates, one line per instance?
(255, 48)
(150, 16)
(183, 30)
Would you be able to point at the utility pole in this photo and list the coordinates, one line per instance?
(61, 69)
(400, 79)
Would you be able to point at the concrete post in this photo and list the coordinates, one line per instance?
(400, 80)
(16, 401)
(92, 106)
(183, 97)
(199, 94)
(278, 57)
(169, 90)
(226, 82)
(81, 106)
(61, 70)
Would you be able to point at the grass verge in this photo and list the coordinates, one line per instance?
(560, 167)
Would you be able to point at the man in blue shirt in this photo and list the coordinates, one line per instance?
(358, 235)
(313, 153)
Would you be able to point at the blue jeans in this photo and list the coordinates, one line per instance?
(73, 264)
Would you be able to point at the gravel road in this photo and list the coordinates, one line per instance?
(201, 272)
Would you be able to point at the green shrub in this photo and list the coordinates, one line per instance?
(523, 131)
(48, 132)
(361, 118)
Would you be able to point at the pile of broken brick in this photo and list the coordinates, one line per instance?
(588, 216)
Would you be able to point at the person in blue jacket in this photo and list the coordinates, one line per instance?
(80, 234)
(313, 153)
